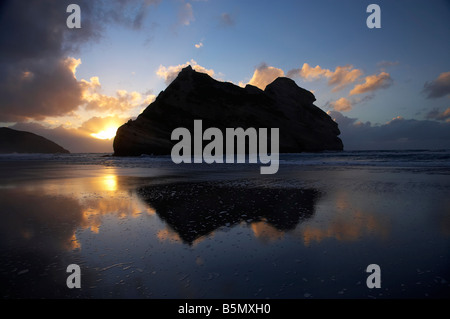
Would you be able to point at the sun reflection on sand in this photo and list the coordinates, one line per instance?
(88, 199)
(110, 182)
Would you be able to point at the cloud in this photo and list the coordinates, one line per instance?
(341, 105)
(37, 29)
(439, 87)
(265, 75)
(339, 78)
(142, 11)
(39, 89)
(37, 75)
(309, 73)
(343, 76)
(227, 19)
(372, 83)
(185, 14)
(436, 114)
(170, 73)
(399, 133)
(199, 45)
(57, 92)
(93, 99)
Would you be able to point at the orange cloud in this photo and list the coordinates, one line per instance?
(170, 73)
(339, 78)
(341, 105)
(310, 73)
(123, 100)
(372, 83)
(343, 76)
(72, 64)
(265, 75)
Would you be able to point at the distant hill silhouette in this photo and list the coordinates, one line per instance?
(194, 95)
(13, 141)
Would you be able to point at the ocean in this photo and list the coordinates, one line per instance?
(407, 159)
(143, 227)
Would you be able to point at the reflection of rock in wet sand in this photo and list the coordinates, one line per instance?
(194, 210)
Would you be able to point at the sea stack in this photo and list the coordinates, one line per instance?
(303, 127)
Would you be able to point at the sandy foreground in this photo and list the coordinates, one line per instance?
(306, 232)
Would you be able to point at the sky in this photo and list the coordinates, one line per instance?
(387, 88)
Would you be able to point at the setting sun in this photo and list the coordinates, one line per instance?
(106, 134)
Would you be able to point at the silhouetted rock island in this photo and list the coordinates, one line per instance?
(196, 96)
(13, 141)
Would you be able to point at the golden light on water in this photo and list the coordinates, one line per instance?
(109, 182)
(106, 134)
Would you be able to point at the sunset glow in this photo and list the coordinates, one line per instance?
(225, 157)
(75, 75)
(106, 134)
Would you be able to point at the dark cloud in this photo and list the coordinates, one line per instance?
(439, 115)
(396, 134)
(439, 87)
(37, 89)
(227, 19)
(31, 30)
(36, 78)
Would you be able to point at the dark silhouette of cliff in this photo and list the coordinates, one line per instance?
(13, 141)
(196, 96)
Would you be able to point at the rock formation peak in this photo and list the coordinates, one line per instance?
(196, 96)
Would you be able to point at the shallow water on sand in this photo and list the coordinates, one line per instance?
(306, 232)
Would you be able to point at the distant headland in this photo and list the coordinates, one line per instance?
(13, 141)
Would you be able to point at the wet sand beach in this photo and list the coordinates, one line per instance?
(223, 232)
